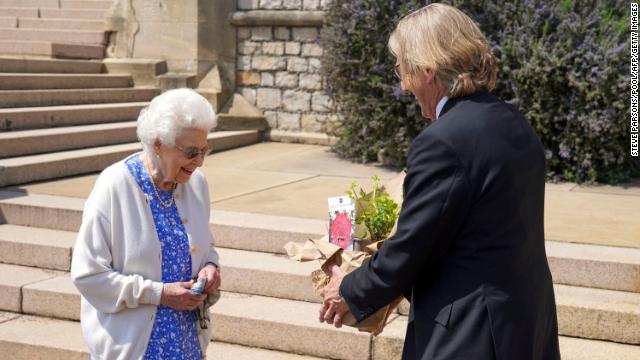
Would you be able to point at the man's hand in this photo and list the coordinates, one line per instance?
(178, 296)
(212, 274)
(333, 306)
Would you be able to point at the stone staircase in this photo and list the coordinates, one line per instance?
(66, 117)
(53, 28)
(268, 301)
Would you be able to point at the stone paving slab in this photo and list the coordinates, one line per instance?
(304, 199)
(594, 218)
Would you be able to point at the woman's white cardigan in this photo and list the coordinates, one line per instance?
(117, 260)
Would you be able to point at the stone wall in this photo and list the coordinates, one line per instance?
(278, 63)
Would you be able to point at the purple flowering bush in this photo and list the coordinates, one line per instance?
(563, 63)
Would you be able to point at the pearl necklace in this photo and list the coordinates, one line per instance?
(155, 191)
(164, 204)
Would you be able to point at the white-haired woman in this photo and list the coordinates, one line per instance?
(145, 235)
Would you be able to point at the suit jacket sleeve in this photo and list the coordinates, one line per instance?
(436, 201)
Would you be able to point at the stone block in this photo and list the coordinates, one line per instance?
(286, 79)
(282, 33)
(292, 48)
(389, 344)
(312, 122)
(247, 78)
(296, 100)
(266, 63)
(262, 33)
(297, 64)
(321, 102)
(243, 33)
(305, 34)
(288, 121)
(311, 49)
(243, 63)
(270, 4)
(55, 297)
(249, 94)
(292, 4)
(310, 81)
(310, 4)
(268, 98)
(248, 47)
(314, 65)
(273, 48)
(266, 79)
(272, 118)
(247, 4)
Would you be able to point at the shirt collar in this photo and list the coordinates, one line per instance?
(440, 105)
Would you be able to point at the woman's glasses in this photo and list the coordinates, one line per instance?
(192, 152)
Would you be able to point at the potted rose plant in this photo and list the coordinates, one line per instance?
(376, 214)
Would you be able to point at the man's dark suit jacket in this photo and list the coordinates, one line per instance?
(469, 250)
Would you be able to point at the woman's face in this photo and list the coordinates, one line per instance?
(175, 165)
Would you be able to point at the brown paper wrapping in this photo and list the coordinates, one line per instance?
(328, 254)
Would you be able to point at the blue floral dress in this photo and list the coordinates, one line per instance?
(174, 334)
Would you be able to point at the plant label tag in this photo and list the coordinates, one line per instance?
(342, 221)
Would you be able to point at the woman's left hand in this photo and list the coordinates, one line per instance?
(212, 274)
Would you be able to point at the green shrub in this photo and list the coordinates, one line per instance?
(563, 63)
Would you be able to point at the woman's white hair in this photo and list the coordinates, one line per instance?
(171, 112)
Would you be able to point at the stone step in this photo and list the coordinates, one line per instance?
(86, 4)
(25, 81)
(582, 312)
(20, 170)
(15, 119)
(239, 122)
(596, 266)
(388, 346)
(30, 142)
(19, 11)
(59, 24)
(571, 264)
(58, 97)
(25, 337)
(24, 65)
(52, 13)
(62, 36)
(244, 271)
(235, 230)
(38, 247)
(30, 3)
(49, 49)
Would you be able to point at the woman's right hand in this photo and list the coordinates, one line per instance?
(178, 296)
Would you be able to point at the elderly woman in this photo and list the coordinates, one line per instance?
(144, 237)
(469, 249)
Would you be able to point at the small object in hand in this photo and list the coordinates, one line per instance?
(198, 287)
